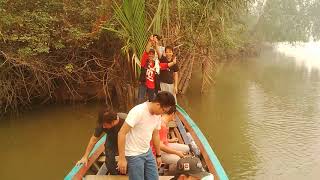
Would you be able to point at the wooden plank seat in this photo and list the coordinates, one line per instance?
(102, 159)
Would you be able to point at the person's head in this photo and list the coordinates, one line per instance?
(151, 54)
(157, 36)
(169, 52)
(169, 116)
(164, 102)
(172, 110)
(107, 118)
(190, 168)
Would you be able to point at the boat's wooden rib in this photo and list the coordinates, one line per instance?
(182, 130)
(178, 135)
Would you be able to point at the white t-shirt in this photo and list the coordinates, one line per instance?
(142, 125)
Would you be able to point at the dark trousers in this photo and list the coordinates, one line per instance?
(111, 163)
(143, 90)
(151, 94)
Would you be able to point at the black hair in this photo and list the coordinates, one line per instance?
(157, 36)
(166, 99)
(152, 51)
(168, 47)
(172, 110)
(106, 116)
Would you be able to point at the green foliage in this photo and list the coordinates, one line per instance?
(33, 27)
(49, 44)
(129, 24)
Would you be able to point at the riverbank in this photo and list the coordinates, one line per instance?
(104, 85)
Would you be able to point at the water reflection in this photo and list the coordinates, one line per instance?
(263, 116)
(45, 143)
(305, 54)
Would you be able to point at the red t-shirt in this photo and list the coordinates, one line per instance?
(151, 71)
(163, 135)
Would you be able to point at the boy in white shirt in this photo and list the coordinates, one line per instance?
(140, 127)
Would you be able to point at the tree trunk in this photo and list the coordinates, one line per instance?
(186, 75)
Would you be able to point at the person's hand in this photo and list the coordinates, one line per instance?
(159, 161)
(174, 60)
(151, 38)
(180, 154)
(122, 165)
(175, 90)
(174, 139)
(83, 160)
(155, 39)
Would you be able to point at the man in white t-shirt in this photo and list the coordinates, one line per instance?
(140, 127)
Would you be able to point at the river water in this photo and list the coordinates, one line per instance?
(262, 119)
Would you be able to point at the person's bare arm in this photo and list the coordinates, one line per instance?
(84, 160)
(122, 163)
(149, 44)
(157, 48)
(156, 140)
(173, 140)
(156, 145)
(170, 150)
(175, 77)
(174, 61)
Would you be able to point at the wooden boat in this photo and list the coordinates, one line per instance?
(182, 129)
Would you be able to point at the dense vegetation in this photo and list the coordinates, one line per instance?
(54, 50)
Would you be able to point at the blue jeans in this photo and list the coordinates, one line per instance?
(142, 93)
(142, 167)
(143, 90)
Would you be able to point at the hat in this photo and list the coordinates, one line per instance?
(190, 166)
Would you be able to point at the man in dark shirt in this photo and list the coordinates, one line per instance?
(110, 123)
(169, 76)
